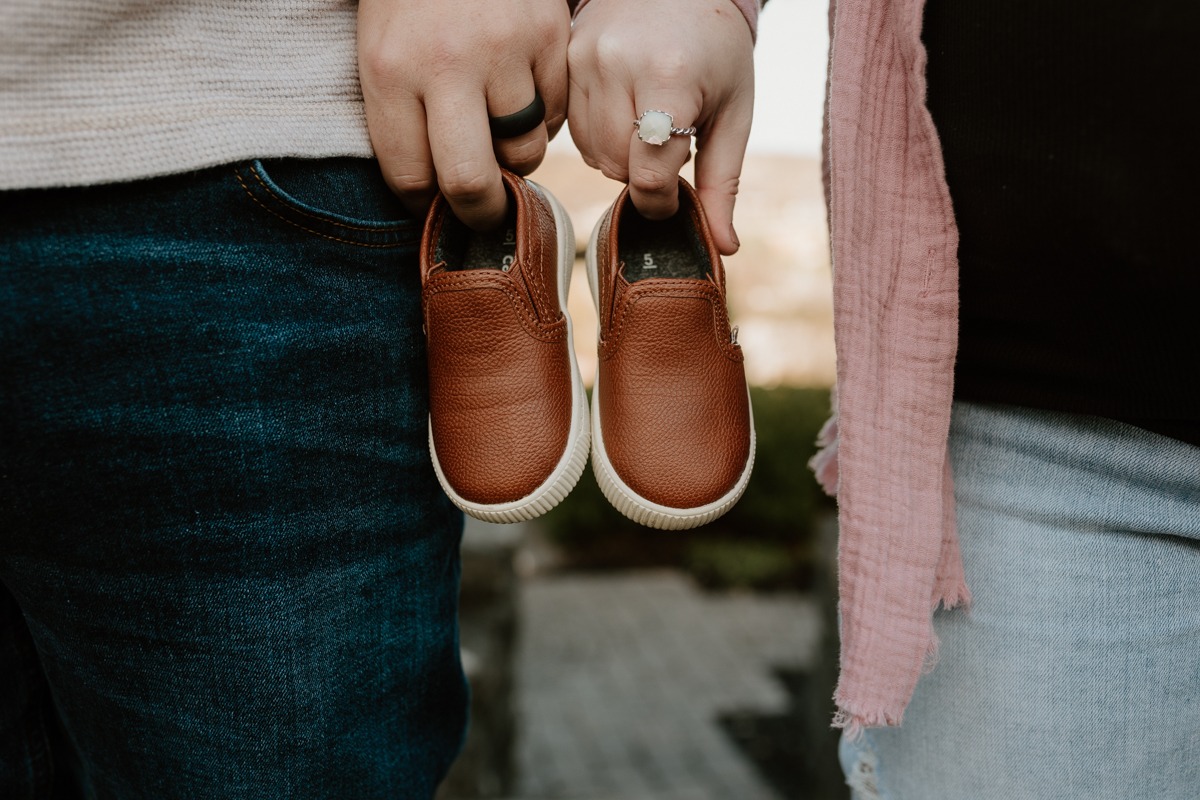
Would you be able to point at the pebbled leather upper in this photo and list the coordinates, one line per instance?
(499, 368)
(673, 406)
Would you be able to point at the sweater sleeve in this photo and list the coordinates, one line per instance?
(749, 9)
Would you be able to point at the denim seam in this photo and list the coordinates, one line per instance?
(275, 213)
(393, 228)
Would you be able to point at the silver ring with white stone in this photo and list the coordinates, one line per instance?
(654, 127)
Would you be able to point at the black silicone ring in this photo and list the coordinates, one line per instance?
(520, 122)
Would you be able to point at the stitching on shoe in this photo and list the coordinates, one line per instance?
(532, 266)
(433, 250)
(547, 331)
(679, 290)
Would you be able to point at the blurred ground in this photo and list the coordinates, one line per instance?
(623, 680)
(779, 284)
(637, 685)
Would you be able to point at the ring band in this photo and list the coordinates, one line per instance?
(520, 122)
(655, 127)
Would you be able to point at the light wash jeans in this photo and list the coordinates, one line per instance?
(1076, 674)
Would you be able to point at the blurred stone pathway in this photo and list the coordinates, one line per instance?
(621, 678)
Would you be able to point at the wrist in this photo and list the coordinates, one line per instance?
(749, 9)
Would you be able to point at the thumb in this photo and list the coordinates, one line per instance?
(719, 157)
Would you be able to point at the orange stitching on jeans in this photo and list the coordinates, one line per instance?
(274, 213)
(387, 228)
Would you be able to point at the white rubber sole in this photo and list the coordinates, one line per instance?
(570, 467)
(616, 491)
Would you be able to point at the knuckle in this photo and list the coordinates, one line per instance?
(530, 147)
(610, 52)
(554, 122)
(549, 29)
(447, 59)
(465, 183)
(727, 186)
(523, 154)
(414, 183)
(411, 179)
(671, 67)
(381, 66)
(611, 169)
(448, 49)
(579, 59)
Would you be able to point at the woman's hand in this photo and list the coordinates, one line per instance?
(690, 58)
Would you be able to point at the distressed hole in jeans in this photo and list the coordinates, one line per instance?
(863, 777)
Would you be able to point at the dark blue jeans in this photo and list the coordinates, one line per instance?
(226, 567)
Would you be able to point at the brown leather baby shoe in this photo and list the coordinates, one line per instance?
(507, 413)
(672, 431)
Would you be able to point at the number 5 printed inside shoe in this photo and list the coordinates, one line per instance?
(672, 429)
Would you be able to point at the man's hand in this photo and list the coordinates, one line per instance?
(433, 71)
(690, 58)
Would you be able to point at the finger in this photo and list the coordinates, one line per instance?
(579, 67)
(610, 123)
(398, 136)
(550, 77)
(577, 125)
(511, 91)
(654, 169)
(461, 144)
(719, 156)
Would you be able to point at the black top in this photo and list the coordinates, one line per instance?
(1071, 133)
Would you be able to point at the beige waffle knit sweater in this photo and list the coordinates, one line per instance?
(98, 91)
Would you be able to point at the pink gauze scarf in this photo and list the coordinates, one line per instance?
(895, 276)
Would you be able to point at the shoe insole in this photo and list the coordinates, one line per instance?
(668, 248)
(462, 248)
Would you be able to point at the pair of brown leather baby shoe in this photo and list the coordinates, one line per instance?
(672, 437)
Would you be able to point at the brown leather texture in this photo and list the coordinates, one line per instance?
(673, 407)
(499, 370)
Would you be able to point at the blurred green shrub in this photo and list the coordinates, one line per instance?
(763, 541)
(743, 564)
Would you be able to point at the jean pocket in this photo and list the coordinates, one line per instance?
(343, 199)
